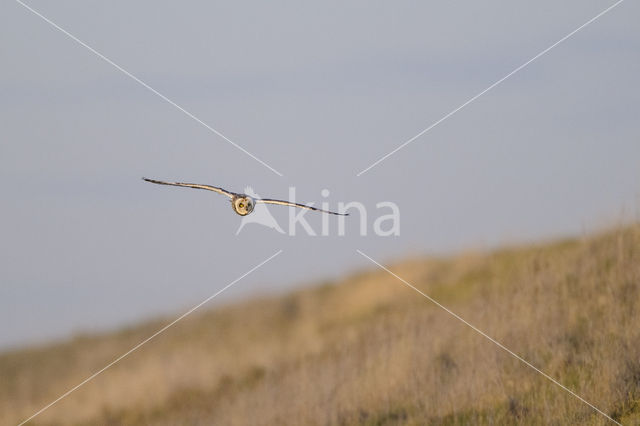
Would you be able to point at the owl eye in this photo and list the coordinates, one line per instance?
(241, 205)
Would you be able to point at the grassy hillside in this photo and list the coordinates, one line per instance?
(369, 350)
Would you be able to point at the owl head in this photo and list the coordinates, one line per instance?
(242, 204)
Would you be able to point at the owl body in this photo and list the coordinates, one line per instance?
(242, 204)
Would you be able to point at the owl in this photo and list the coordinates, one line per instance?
(243, 204)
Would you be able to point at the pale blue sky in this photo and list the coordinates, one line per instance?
(319, 92)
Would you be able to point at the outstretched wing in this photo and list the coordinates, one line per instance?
(193, 185)
(302, 206)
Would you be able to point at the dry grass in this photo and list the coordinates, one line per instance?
(371, 351)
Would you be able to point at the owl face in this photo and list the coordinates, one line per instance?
(243, 204)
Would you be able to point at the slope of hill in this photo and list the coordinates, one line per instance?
(369, 350)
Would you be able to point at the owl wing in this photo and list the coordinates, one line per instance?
(193, 185)
(302, 206)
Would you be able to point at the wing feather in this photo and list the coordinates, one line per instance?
(193, 185)
(302, 206)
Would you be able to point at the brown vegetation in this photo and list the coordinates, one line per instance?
(370, 350)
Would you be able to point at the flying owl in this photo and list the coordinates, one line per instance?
(242, 204)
